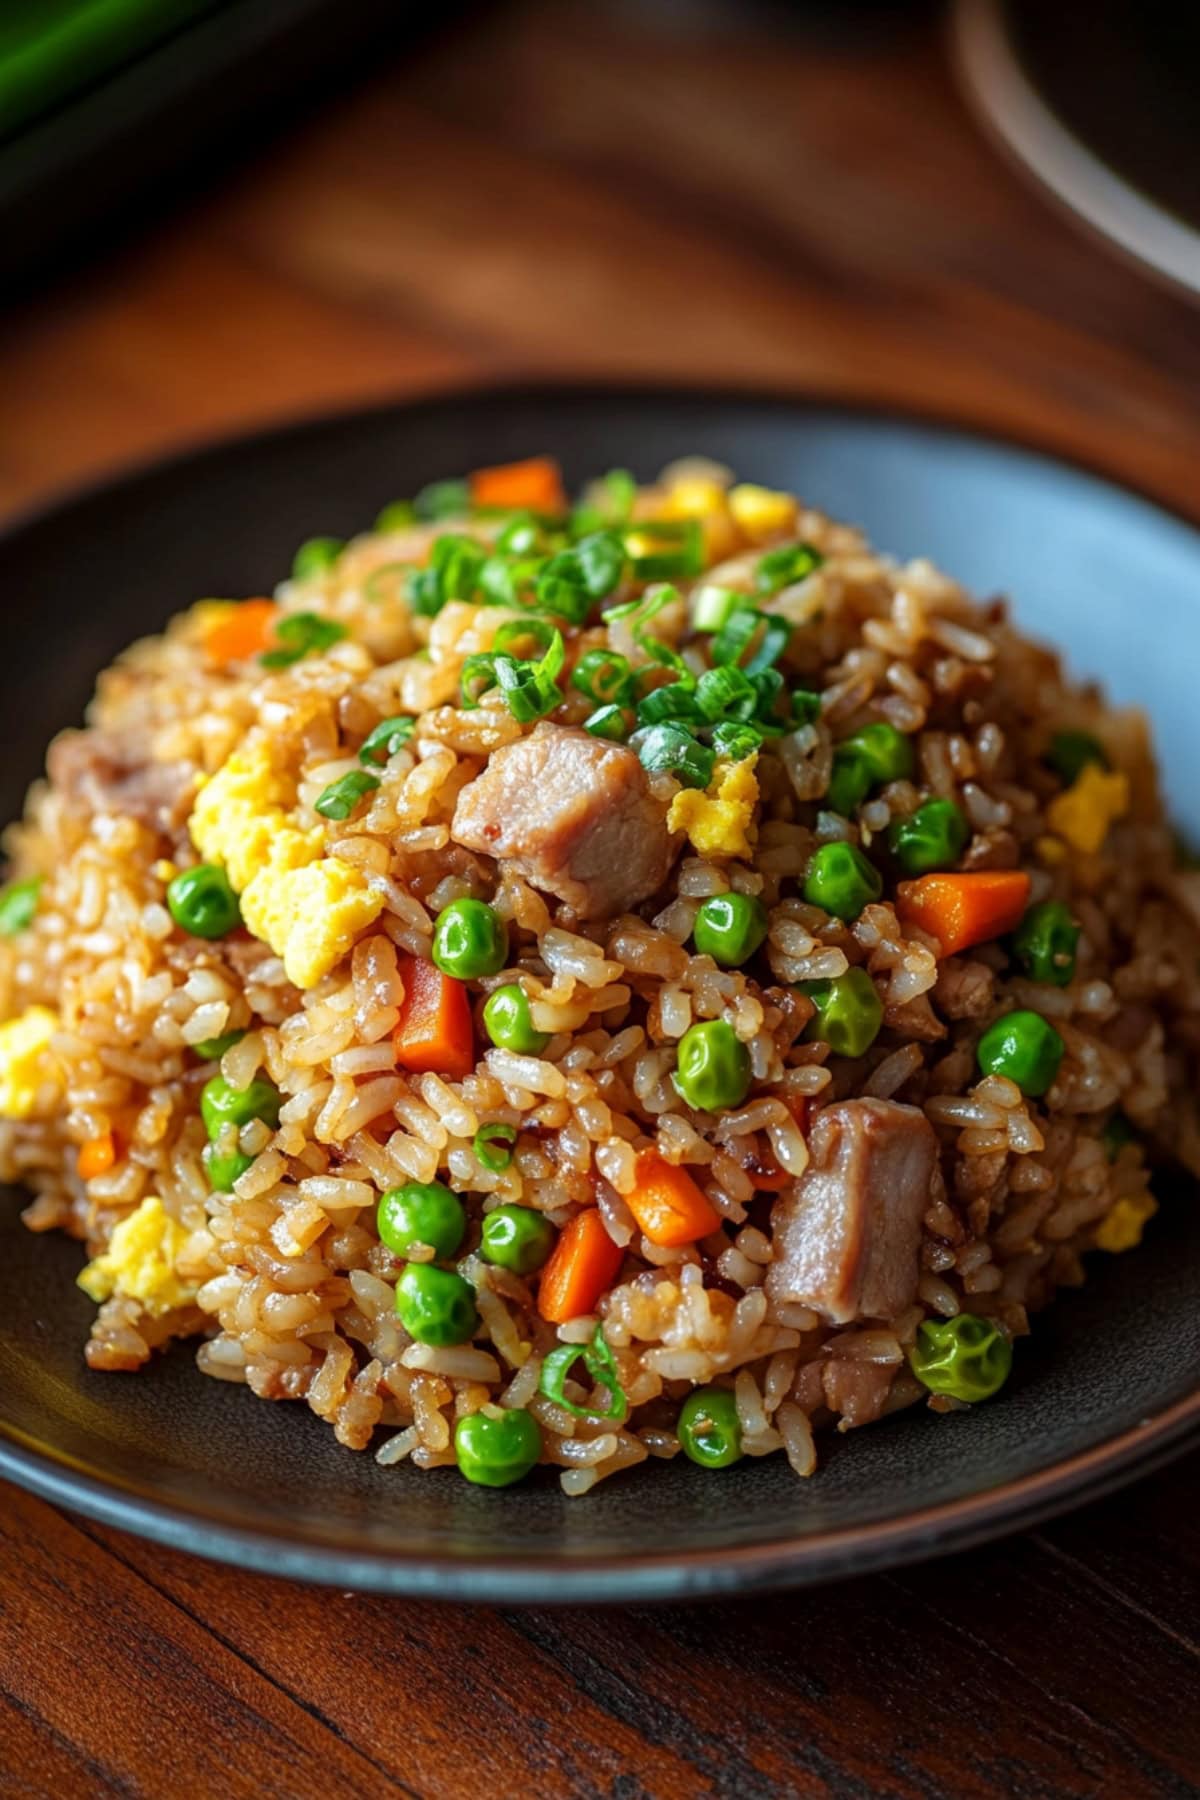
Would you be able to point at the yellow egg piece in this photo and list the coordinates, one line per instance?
(761, 513)
(1121, 1228)
(1084, 813)
(239, 811)
(140, 1261)
(720, 821)
(309, 913)
(27, 1065)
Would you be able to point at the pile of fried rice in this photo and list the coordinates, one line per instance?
(212, 743)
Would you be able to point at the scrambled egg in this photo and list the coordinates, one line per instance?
(140, 1261)
(310, 915)
(308, 907)
(760, 513)
(1121, 1229)
(26, 1063)
(1084, 813)
(719, 822)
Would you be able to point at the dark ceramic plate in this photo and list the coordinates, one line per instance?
(1109, 1386)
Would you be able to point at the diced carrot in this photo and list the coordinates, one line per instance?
(242, 632)
(582, 1264)
(961, 910)
(96, 1155)
(434, 1031)
(534, 484)
(667, 1204)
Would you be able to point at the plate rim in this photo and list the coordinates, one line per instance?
(634, 1577)
(778, 1564)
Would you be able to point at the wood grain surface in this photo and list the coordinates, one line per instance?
(788, 198)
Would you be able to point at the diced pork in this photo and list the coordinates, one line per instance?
(104, 771)
(572, 813)
(847, 1234)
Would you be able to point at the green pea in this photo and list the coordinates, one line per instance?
(507, 1021)
(849, 1012)
(224, 1168)
(1071, 751)
(841, 880)
(213, 1049)
(201, 902)
(708, 1428)
(497, 1446)
(221, 1104)
(1026, 1048)
(469, 939)
(712, 1067)
(966, 1357)
(18, 903)
(932, 838)
(865, 760)
(849, 781)
(1116, 1134)
(1044, 943)
(421, 1212)
(397, 515)
(517, 1238)
(315, 555)
(730, 928)
(435, 1306)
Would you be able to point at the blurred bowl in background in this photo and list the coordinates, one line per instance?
(1099, 104)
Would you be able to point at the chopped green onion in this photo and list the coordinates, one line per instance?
(671, 750)
(603, 675)
(726, 693)
(529, 687)
(768, 685)
(497, 1134)
(739, 631)
(455, 563)
(558, 595)
(608, 722)
(736, 741)
(682, 562)
(734, 637)
(18, 903)
(316, 555)
(600, 1364)
(774, 641)
(677, 700)
(504, 582)
(388, 736)
(620, 492)
(805, 706)
(442, 500)
(396, 516)
(712, 607)
(300, 634)
(595, 564)
(516, 631)
(639, 612)
(478, 675)
(522, 536)
(343, 796)
(780, 568)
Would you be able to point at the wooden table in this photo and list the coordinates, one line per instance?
(564, 189)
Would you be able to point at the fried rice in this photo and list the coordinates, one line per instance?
(213, 743)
